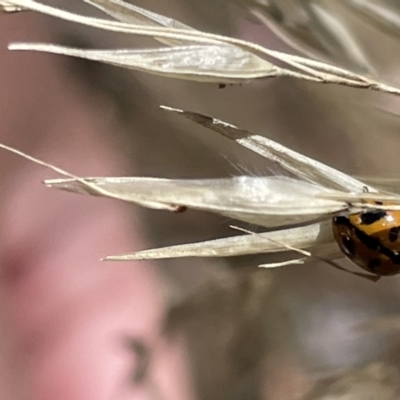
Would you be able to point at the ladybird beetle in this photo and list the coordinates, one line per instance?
(371, 239)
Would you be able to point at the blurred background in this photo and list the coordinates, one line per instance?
(75, 328)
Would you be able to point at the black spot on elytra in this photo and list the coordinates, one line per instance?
(374, 263)
(394, 233)
(370, 217)
(221, 86)
(378, 203)
(369, 241)
(341, 220)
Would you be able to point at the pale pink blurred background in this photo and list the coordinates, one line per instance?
(65, 316)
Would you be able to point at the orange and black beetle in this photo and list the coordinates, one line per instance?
(371, 239)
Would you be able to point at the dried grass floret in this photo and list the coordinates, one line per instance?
(208, 57)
